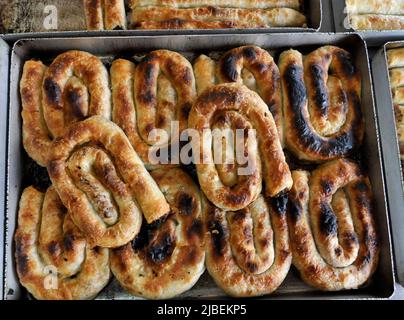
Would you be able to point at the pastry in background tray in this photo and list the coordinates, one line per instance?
(233, 186)
(321, 104)
(103, 182)
(212, 14)
(375, 14)
(248, 65)
(73, 87)
(105, 14)
(53, 259)
(395, 61)
(333, 235)
(168, 257)
(247, 251)
(152, 95)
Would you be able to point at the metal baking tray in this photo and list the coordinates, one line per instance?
(4, 67)
(382, 284)
(374, 38)
(390, 152)
(28, 22)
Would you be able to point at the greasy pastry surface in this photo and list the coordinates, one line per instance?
(226, 108)
(332, 232)
(105, 14)
(209, 16)
(101, 179)
(75, 86)
(160, 90)
(321, 104)
(167, 258)
(47, 241)
(247, 251)
(248, 65)
(259, 4)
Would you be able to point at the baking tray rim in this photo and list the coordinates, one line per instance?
(339, 37)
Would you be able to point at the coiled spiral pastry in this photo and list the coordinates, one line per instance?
(53, 259)
(248, 65)
(169, 257)
(98, 176)
(160, 90)
(105, 14)
(322, 104)
(235, 107)
(247, 251)
(332, 232)
(75, 86)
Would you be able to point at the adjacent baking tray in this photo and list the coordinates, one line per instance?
(382, 284)
(373, 38)
(4, 67)
(391, 152)
(29, 22)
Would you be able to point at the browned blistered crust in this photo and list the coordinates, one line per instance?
(46, 239)
(333, 235)
(105, 14)
(236, 106)
(247, 252)
(171, 258)
(121, 170)
(151, 95)
(321, 104)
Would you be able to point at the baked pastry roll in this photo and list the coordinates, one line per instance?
(75, 86)
(321, 104)
(168, 257)
(248, 65)
(395, 58)
(377, 22)
(333, 235)
(232, 185)
(160, 90)
(105, 14)
(54, 261)
(247, 251)
(388, 7)
(255, 4)
(211, 17)
(101, 179)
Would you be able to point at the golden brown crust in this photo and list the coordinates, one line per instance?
(213, 17)
(247, 252)
(233, 106)
(376, 22)
(105, 14)
(75, 86)
(322, 113)
(169, 257)
(161, 89)
(47, 240)
(94, 162)
(332, 232)
(263, 4)
(395, 58)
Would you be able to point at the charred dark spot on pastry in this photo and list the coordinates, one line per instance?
(186, 204)
(328, 220)
(279, 204)
(361, 186)
(35, 175)
(261, 68)
(96, 250)
(75, 100)
(149, 127)
(363, 202)
(236, 199)
(265, 243)
(187, 76)
(252, 267)
(250, 53)
(159, 251)
(350, 239)
(239, 215)
(228, 68)
(222, 95)
(348, 67)
(218, 237)
(68, 241)
(327, 185)
(53, 247)
(21, 257)
(195, 229)
(52, 91)
(294, 211)
(338, 251)
(371, 239)
(186, 109)
(320, 88)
